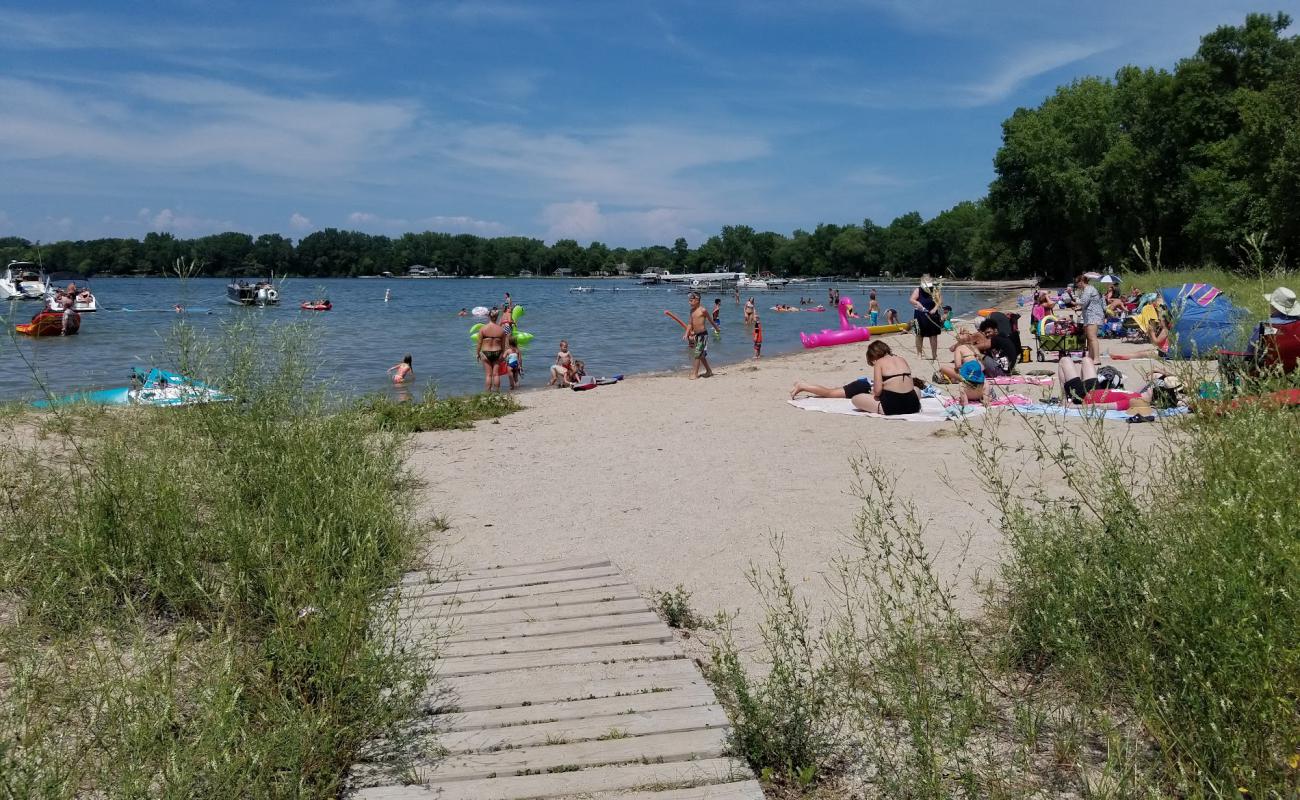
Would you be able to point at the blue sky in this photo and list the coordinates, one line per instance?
(631, 123)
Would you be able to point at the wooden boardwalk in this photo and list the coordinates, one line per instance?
(561, 682)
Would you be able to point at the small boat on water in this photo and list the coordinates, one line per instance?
(22, 280)
(83, 300)
(316, 305)
(48, 322)
(581, 290)
(257, 293)
(152, 387)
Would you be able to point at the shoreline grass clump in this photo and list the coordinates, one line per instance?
(433, 413)
(194, 595)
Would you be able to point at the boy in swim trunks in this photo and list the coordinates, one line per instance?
(697, 336)
(758, 337)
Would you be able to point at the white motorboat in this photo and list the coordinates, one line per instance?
(22, 280)
(83, 300)
(257, 293)
(581, 289)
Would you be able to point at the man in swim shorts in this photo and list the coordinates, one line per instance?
(697, 336)
(491, 346)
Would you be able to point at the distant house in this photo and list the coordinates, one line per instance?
(417, 269)
(624, 269)
(525, 273)
(563, 272)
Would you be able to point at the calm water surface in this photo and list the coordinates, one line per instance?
(623, 331)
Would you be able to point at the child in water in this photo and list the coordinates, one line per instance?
(402, 372)
(758, 337)
(891, 317)
(515, 361)
(717, 309)
(873, 308)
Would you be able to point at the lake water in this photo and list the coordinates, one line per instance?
(620, 328)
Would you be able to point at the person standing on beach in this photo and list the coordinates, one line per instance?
(491, 346)
(697, 336)
(927, 319)
(1093, 311)
(758, 337)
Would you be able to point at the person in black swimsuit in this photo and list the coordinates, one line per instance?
(927, 319)
(490, 350)
(893, 391)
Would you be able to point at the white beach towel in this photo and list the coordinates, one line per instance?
(932, 409)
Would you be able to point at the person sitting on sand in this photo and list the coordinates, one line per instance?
(402, 372)
(1081, 385)
(947, 318)
(972, 380)
(563, 365)
(968, 348)
(889, 391)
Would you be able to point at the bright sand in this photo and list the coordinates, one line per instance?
(681, 481)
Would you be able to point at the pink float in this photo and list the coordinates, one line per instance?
(847, 334)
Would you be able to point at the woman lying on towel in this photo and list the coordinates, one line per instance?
(890, 391)
(1082, 385)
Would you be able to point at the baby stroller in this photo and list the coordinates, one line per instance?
(1059, 337)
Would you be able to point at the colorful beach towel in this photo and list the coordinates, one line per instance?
(932, 409)
(1092, 412)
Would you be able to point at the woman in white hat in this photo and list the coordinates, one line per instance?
(927, 320)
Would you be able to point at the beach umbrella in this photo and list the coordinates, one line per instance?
(1092, 276)
(1110, 279)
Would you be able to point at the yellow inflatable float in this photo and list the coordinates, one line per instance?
(897, 327)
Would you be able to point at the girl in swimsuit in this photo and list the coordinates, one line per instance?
(402, 372)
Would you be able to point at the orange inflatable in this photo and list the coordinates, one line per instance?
(50, 323)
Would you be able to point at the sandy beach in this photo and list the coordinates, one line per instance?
(686, 482)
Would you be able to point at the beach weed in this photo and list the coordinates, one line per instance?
(195, 596)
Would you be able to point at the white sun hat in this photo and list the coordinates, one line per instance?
(1283, 301)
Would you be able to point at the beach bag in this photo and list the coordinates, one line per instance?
(1109, 378)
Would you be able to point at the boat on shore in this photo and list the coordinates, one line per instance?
(257, 293)
(83, 300)
(153, 387)
(22, 280)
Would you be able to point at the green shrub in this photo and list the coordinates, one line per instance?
(675, 607)
(197, 593)
(1169, 586)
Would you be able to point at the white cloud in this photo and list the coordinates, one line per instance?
(162, 122)
(461, 223)
(181, 222)
(298, 222)
(1023, 67)
(584, 221)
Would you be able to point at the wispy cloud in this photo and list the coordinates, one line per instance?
(300, 222)
(1023, 67)
(21, 30)
(221, 124)
(368, 221)
(584, 221)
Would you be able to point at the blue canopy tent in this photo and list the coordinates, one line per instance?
(1205, 320)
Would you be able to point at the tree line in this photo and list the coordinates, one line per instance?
(1194, 164)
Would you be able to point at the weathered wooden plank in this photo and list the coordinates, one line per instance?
(739, 790)
(612, 727)
(573, 682)
(475, 631)
(683, 746)
(416, 608)
(723, 774)
(686, 696)
(472, 665)
(524, 583)
(508, 570)
(548, 594)
(553, 619)
(655, 631)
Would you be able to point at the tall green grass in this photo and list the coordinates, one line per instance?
(195, 596)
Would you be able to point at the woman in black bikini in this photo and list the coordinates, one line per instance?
(892, 390)
(889, 392)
